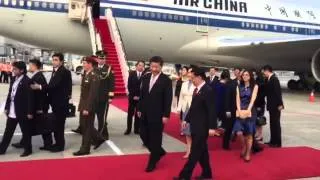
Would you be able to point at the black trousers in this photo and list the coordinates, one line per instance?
(151, 136)
(89, 133)
(275, 127)
(9, 131)
(228, 131)
(199, 153)
(58, 127)
(102, 114)
(132, 111)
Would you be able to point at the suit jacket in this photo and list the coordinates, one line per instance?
(106, 84)
(89, 92)
(59, 89)
(23, 100)
(157, 103)
(40, 96)
(213, 82)
(185, 98)
(202, 114)
(231, 96)
(134, 84)
(273, 92)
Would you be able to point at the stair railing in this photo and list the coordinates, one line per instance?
(92, 31)
(116, 38)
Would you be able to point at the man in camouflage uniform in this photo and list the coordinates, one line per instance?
(87, 108)
(105, 94)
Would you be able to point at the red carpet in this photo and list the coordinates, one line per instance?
(272, 164)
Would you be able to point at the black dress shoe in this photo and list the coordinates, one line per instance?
(151, 167)
(275, 145)
(178, 178)
(17, 145)
(2, 152)
(127, 132)
(55, 149)
(78, 131)
(45, 148)
(80, 153)
(98, 144)
(26, 153)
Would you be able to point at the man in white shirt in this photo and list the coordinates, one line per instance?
(19, 108)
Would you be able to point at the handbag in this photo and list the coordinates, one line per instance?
(243, 114)
(261, 121)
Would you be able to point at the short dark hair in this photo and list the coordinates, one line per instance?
(185, 67)
(156, 59)
(237, 68)
(59, 55)
(20, 65)
(36, 62)
(215, 68)
(225, 74)
(140, 61)
(199, 72)
(267, 68)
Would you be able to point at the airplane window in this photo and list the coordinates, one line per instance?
(252, 25)
(297, 29)
(181, 18)
(266, 26)
(21, 3)
(292, 29)
(140, 14)
(243, 24)
(275, 28)
(261, 26)
(187, 18)
(59, 6)
(248, 25)
(44, 4)
(284, 28)
(159, 15)
(146, 14)
(153, 15)
(257, 26)
(170, 17)
(51, 5)
(14, 2)
(164, 16)
(66, 6)
(134, 13)
(36, 4)
(29, 3)
(175, 17)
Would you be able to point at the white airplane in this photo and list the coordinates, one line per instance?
(228, 33)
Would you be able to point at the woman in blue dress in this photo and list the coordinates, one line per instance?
(245, 123)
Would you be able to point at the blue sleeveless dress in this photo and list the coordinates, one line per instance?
(247, 126)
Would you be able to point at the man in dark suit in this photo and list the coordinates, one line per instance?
(203, 122)
(154, 110)
(87, 108)
(134, 82)
(19, 108)
(212, 79)
(59, 92)
(274, 105)
(231, 108)
(40, 105)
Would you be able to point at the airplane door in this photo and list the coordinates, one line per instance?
(203, 23)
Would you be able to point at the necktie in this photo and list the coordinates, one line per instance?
(151, 82)
(139, 75)
(195, 92)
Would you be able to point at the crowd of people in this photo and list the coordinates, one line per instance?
(208, 106)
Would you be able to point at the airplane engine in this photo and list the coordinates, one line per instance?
(315, 65)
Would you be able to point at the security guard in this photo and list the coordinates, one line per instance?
(87, 108)
(106, 92)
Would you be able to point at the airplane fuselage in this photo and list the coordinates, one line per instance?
(182, 31)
